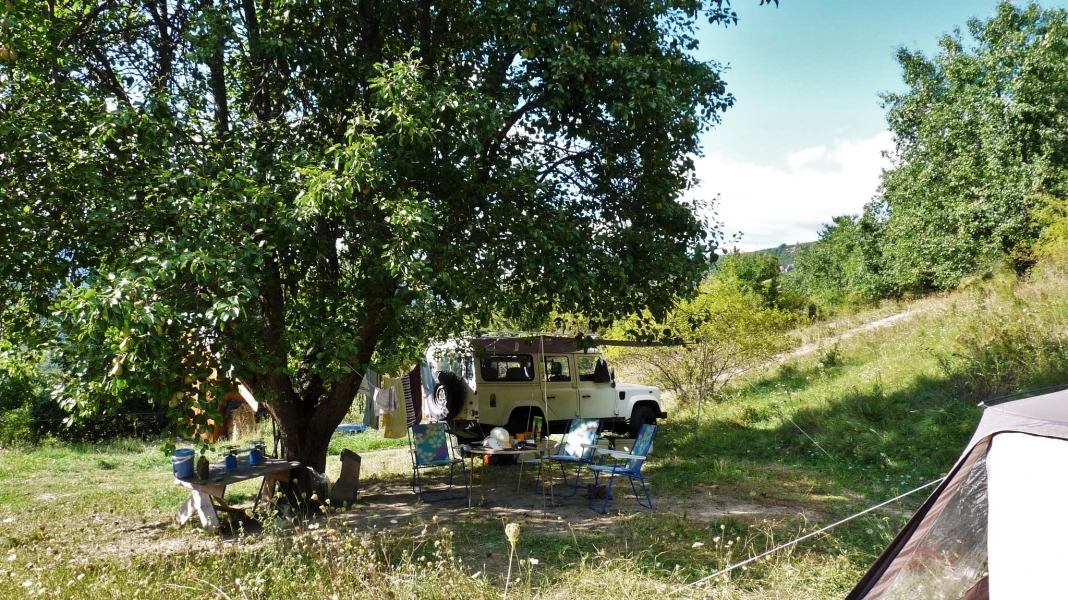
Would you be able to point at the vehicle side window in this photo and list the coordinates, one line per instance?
(557, 368)
(587, 364)
(508, 367)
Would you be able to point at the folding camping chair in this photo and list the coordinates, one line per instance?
(430, 448)
(631, 467)
(577, 448)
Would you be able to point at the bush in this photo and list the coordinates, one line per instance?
(724, 331)
(29, 413)
(1016, 343)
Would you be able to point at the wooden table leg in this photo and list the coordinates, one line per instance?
(200, 504)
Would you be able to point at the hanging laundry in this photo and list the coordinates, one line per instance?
(409, 406)
(416, 377)
(367, 389)
(385, 400)
(395, 422)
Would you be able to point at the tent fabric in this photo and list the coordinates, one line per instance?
(1026, 555)
(943, 551)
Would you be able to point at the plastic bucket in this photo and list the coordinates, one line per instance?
(182, 463)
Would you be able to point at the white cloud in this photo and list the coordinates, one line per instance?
(772, 204)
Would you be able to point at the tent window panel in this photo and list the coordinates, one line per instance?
(951, 556)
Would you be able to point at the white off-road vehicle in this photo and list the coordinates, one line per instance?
(487, 382)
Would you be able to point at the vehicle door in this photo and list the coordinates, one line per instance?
(561, 388)
(506, 382)
(597, 397)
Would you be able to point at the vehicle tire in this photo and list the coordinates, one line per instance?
(522, 420)
(448, 397)
(641, 415)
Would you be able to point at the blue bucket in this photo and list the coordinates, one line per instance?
(182, 463)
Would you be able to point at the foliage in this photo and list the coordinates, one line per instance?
(754, 273)
(979, 133)
(287, 193)
(1016, 342)
(1050, 218)
(842, 268)
(722, 332)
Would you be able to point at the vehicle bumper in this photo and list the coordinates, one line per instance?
(661, 415)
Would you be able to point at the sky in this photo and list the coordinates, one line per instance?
(804, 141)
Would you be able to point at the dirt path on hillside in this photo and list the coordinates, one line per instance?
(811, 347)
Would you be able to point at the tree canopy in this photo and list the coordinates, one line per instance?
(979, 131)
(980, 150)
(290, 191)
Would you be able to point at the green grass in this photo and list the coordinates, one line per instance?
(363, 442)
(794, 447)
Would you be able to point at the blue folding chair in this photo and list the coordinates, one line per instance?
(577, 448)
(630, 467)
(430, 448)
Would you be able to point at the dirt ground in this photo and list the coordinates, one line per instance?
(388, 503)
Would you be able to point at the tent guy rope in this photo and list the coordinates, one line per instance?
(802, 538)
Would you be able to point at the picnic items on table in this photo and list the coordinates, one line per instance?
(430, 447)
(486, 451)
(207, 491)
(182, 462)
(630, 467)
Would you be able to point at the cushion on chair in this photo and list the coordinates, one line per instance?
(431, 444)
(581, 432)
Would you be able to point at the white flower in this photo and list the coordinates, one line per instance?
(533, 561)
(697, 545)
(11, 557)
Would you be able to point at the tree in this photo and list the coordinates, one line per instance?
(286, 192)
(724, 331)
(979, 133)
(754, 272)
(844, 266)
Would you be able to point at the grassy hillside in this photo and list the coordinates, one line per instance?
(855, 415)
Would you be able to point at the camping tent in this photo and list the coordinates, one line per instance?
(996, 526)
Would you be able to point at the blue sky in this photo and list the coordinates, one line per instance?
(803, 141)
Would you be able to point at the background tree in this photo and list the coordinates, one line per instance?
(979, 131)
(288, 192)
(843, 267)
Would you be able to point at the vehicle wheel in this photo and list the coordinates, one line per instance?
(448, 397)
(522, 420)
(642, 415)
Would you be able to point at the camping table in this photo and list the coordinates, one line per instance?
(201, 502)
(471, 453)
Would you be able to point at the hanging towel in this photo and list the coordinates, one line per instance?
(367, 389)
(385, 400)
(395, 422)
(417, 394)
(409, 406)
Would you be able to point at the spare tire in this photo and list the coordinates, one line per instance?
(448, 397)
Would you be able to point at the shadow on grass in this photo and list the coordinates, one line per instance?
(870, 441)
